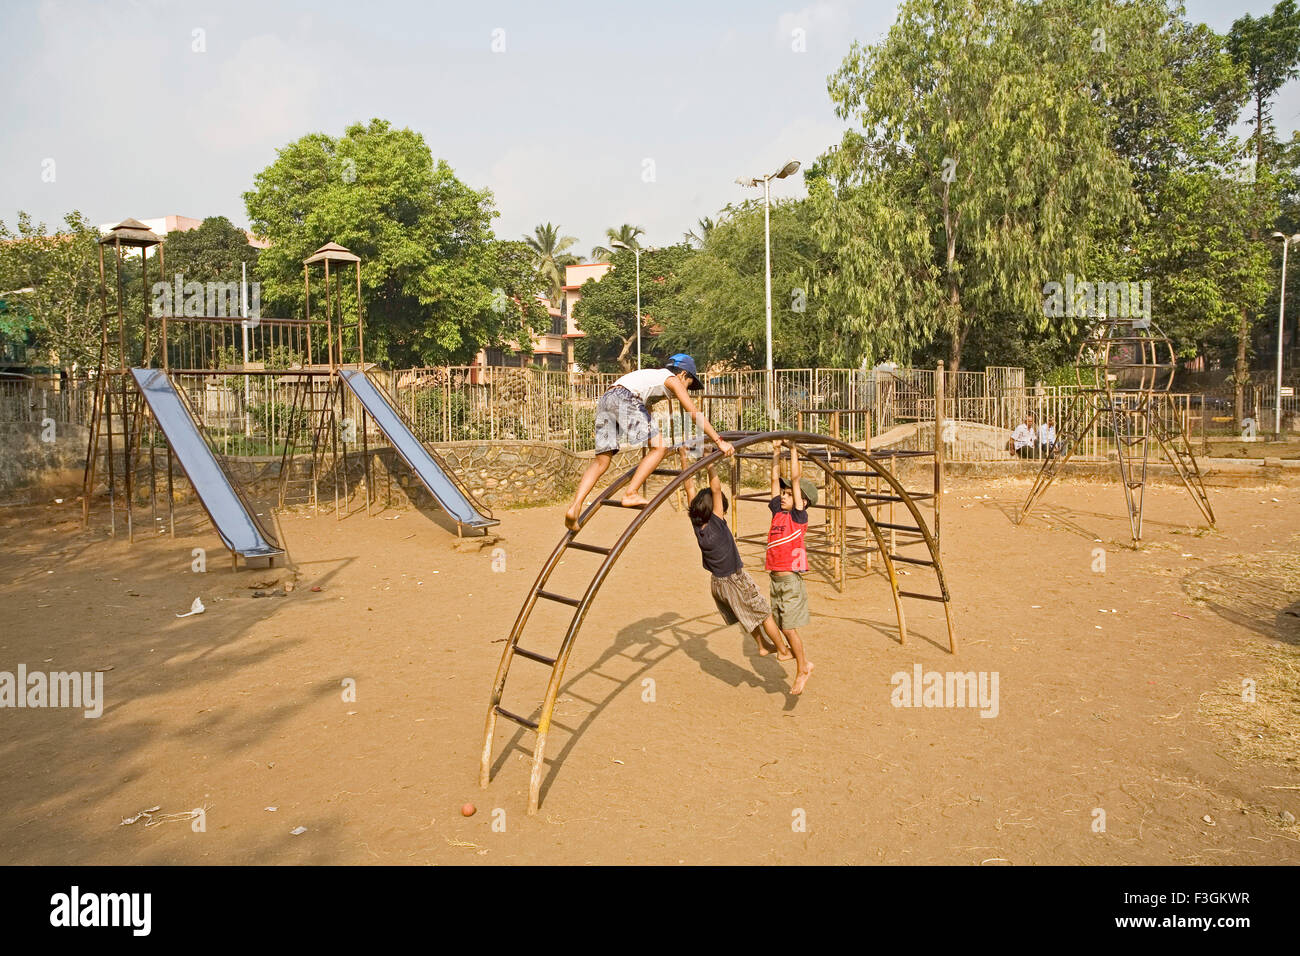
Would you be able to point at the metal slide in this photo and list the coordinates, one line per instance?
(426, 465)
(231, 516)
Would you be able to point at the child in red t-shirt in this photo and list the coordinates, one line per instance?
(787, 557)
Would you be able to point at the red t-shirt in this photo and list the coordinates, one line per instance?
(785, 539)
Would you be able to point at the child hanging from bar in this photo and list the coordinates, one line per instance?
(737, 597)
(787, 555)
(622, 418)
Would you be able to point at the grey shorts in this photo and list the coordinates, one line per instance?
(622, 419)
(739, 600)
(789, 600)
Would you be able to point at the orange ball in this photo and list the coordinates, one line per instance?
(468, 810)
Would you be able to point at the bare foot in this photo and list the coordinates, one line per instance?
(629, 500)
(785, 655)
(801, 679)
(764, 648)
(571, 520)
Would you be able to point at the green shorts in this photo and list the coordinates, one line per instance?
(789, 600)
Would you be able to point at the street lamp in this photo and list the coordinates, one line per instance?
(1281, 311)
(636, 250)
(789, 169)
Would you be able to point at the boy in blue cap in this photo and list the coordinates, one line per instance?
(622, 418)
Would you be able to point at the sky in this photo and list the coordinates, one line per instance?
(586, 116)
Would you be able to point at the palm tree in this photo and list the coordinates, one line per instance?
(550, 257)
(625, 234)
(705, 227)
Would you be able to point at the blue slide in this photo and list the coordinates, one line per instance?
(426, 465)
(230, 514)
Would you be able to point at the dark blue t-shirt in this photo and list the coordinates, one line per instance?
(718, 548)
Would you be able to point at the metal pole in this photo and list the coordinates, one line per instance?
(1281, 310)
(243, 314)
(767, 271)
(638, 307)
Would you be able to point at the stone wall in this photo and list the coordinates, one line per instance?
(501, 474)
(511, 474)
(31, 453)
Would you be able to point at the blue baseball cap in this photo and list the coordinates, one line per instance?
(686, 364)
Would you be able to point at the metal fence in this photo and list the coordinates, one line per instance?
(34, 400)
(253, 414)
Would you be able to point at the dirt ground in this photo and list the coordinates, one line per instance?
(682, 745)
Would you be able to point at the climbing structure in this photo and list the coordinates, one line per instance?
(831, 454)
(139, 412)
(320, 396)
(1125, 372)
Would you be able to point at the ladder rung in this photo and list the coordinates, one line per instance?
(583, 546)
(522, 721)
(898, 527)
(534, 656)
(915, 496)
(923, 597)
(666, 471)
(618, 504)
(860, 474)
(906, 560)
(572, 602)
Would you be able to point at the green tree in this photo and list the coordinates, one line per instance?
(61, 313)
(980, 167)
(1268, 50)
(434, 280)
(214, 252)
(550, 256)
(607, 308)
(717, 309)
(1172, 125)
(520, 312)
(626, 234)
(700, 234)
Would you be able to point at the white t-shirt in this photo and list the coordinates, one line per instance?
(1046, 434)
(646, 384)
(1022, 436)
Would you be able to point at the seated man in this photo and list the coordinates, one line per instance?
(1022, 439)
(1047, 438)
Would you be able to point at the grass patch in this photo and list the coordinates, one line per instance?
(1261, 592)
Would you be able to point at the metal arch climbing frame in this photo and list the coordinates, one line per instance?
(680, 478)
(1088, 408)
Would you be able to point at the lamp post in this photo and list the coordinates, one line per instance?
(787, 170)
(636, 250)
(1281, 311)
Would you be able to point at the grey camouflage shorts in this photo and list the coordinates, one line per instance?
(622, 419)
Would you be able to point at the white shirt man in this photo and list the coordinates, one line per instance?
(1047, 436)
(1022, 437)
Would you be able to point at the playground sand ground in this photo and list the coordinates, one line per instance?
(1103, 681)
